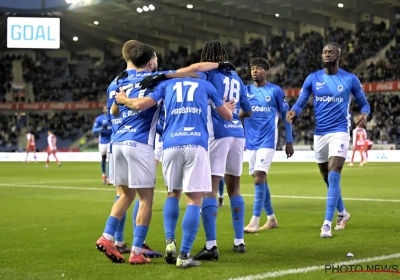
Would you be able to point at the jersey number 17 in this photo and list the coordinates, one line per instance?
(232, 89)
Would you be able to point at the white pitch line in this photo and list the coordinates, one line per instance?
(314, 268)
(5, 185)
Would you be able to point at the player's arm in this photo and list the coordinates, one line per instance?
(245, 107)
(224, 109)
(301, 102)
(206, 66)
(114, 110)
(146, 82)
(96, 127)
(142, 103)
(361, 101)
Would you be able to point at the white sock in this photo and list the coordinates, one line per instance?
(210, 244)
(108, 237)
(119, 243)
(271, 217)
(329, 223)
(343, 213)
(137, 250)
(237, 242)
(255, 221)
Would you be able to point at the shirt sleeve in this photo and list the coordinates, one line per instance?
(215, 101)
(244, 100)
(305, 94)
(158, 93)
(203, 75)
(359, 95)
(281, 101)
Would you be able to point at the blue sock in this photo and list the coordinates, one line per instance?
(103, 167)
(209, 211)
(111, 225)
(333, 195)
(340, 205)
(139, 234)
(267, 201)
(171, 216)
(259, 198)
(237, 208)
(221, 187)
(119, 234)
(190, 226)
(134, 213)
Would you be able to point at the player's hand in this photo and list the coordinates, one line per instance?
(289, 150)
(231, 104)
(290, 115)
(120, 96)
(362, 121)
(226, 65)
(152, 79)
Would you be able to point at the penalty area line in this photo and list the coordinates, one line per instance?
(110, 188)
(314, 268)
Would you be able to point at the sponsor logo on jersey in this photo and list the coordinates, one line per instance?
(261, 109)
(186, 110)
(126, 129)
(185, 131)
(233, 124)
(250, 96)
(131, 113)
(329, 99)
(116, 121)
(319, 85)
(129, 143)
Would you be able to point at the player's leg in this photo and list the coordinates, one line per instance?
(221, 187)
(55, 156)
(103, 154)
(338, 147)
(262, 198)
(234, 165)
(119, 239)
(34, 154)
(361, 151)
(27, 153)
(352, 156)
(195, 162)
(172, 164)
(110, 180)
(127, 195)
(48, 157)
(218, 150)
(142, 176)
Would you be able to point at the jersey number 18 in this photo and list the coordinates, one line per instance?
(232, 89)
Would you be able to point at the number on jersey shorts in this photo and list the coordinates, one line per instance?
(186, 168)
(134, 164)
(158, 148)
(226, 156)
(260, 160)
(103, 149)
(331, 145)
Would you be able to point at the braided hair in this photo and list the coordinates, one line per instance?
(213, 51)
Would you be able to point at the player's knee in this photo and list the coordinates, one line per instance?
(194, 198)
(175, 194)
(260, 177)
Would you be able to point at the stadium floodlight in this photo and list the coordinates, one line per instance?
(139, 10)
(151, 7)
(96, 22)
(75, 38)
(277, 15)
(146, 9)
(189, 6)
(340, 5)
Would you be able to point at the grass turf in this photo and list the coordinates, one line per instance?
(52, 217)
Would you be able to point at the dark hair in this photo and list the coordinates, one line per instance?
(141, 55)
(213, 51)
(259, 62)
(128, 47)
(336, 45)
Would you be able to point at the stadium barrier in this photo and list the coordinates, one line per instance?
(280, 156)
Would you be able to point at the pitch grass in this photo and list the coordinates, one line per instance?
(49, 232)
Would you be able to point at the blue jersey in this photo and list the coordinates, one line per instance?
(112, 88)
(186, 101)
(137, 125)
(160, 123)
(103, 127)
(332, 97)
(262, 127)
(229, 85)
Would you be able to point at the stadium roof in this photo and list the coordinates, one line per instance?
(172, 21)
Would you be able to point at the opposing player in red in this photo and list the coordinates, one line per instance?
(359, 142)
(367, 147)
(30, 146)
(52, 148)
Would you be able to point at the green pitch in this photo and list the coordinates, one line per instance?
(51, 218)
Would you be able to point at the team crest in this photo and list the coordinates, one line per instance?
(340, 88)
(268, 98)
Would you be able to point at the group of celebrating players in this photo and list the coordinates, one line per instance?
(197, 121)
